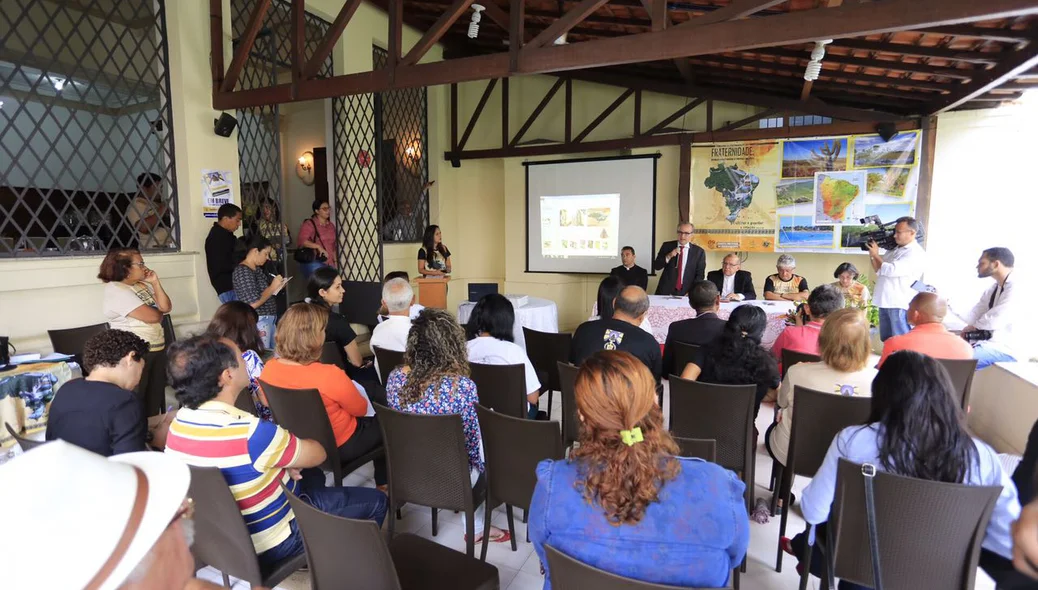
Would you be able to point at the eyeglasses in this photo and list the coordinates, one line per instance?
(140, 264)
(187, 511)
(729, 264)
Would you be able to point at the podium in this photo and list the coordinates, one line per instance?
(432, 292)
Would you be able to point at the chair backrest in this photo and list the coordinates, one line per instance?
(700, 448)
(961, 373)
(793, 357)
(221, 538)
(363, 300)
(301, 412)
(513, 448)
(929, 532)
(721, 412)
(73, 340)
(340, 549)
(501, 387)
(24, 443)
(387, 361)
(426, 459)
(332, 354)
(569, 574)
(684, 354)
(818, 418)
(567, 386)
(245, 403)
(546, 350)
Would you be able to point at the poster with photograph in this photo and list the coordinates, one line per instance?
(839, 197)
(217, 190)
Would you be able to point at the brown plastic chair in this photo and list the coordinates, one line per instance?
(501, 387)
(245, 403)
(929, 533)
(387, 361)
(221, 538)
(817, 419)
(72, 341)
(961, 373)
(545, 350)
(332, 354)
(567, 386)
(301, 412)
(25, 443)
(700, 448)
(513, 448)
(340, 549)
(794, 357)
(428, 465)
(684, 354)
(569, 574)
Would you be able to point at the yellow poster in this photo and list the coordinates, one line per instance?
(733, 195)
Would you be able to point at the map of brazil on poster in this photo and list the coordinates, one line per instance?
(839, 197)
(733, 190)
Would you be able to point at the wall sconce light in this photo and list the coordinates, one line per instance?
(305, 168)
(412, 156)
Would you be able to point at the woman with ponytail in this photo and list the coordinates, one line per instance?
(623, 502)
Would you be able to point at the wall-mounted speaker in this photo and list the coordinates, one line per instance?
(224, 125)
(886, 130)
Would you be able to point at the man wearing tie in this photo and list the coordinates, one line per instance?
(682, 263)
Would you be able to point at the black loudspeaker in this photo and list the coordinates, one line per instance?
(224, 125)
(886, 130)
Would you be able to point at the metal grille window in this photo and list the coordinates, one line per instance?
(86, 140)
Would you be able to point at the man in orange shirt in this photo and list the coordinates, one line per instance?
(928, 336)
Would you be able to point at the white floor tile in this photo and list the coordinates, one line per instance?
(505, 575)
(525, 581)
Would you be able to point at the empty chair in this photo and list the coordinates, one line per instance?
(221, 539)
(387, 361)
(567, 386)
(793, 357)
(700, 448)
(683, 355)
(546, 350)
(71, 341)
(569, 574)
(513, 448)
(961, 373)
(501, 387)
(332, 354)
(25, 443)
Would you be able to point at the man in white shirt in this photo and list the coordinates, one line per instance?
(416, 308)
(997, 312)
(896, 270)
(148, 213)
(391, 334)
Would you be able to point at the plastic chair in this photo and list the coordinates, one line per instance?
(569, 574)
(428, 465)
(545, 350)
(961, 373)
(221, 538)
(72, 341)
(25, 443)
(501, 387)
(245, 403)
(794, 357)
(700, 448)
(567, 386)
(387, 361)
(301, 412)
(684, 354)
(513, 447)
(818, 418)
(332, 354)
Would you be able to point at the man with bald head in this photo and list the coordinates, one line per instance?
(928, 336)
(620, 332)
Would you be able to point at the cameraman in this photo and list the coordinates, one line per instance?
(992, 320)
(895, 272)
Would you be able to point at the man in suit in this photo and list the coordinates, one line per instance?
(734, 284)
(701, 330)
(630, 273)
(682, 263)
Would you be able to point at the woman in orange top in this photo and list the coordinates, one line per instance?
(298, 341)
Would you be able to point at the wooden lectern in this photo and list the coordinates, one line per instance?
(432, 292)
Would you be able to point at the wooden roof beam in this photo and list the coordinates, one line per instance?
(563, 25)
(327, 44)
(245, 43)
(1021, 61)
(919, 51)
(435, 32)
(735, 9)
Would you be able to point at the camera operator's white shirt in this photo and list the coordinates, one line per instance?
(901, 267)
(1001, 318)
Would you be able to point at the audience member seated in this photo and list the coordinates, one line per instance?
(855, 294)
(325, 289)
(254, 455)
(623, 502)
(236, 321)
(434, 379)
(915, 429)
(736, 357)
(803, 337)
(701, 330)
(608, 290)
(100, 412)
(628, 272)
(784, 285)
(994, 323)
(926, 314)
(416, 308)
(492, 342)
(732, 283)
(1025, 541)
(620, 332)
(298, 366)
(391, 333)
(844, 346)
(253, 285)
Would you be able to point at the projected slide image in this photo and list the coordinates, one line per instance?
(580, 225)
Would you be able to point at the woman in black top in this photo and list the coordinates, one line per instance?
(325, 288)
(434, 259)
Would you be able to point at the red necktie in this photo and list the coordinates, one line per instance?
(681, 267)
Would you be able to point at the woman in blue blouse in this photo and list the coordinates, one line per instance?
(623, 502)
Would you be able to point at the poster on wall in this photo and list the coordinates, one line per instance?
(802, 195)
(217, 190)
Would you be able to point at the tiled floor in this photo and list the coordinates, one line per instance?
(520, 570)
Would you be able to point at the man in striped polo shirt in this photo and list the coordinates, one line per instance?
(254, 455)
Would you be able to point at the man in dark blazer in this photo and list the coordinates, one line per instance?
(630, 273)
(701, 330)
(741, 282)
(682, 263)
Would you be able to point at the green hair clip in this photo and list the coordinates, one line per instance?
(632, 436)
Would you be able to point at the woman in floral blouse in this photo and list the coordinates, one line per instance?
(434, 379)
(236, 321)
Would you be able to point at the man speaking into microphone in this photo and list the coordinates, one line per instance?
(682, 263)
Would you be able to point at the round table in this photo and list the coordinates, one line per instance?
(538, 314)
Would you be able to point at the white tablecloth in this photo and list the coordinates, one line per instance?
(538, 314)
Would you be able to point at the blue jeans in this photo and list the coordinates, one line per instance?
(228, 296)
(892, 322)
(267, 327)
(987, 356)
(357, 503)
(308, 268)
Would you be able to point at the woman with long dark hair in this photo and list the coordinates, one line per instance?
(325, 289)
(434, 259)
(491, 334)
(608, 290)
(915, 429)
(255, 286)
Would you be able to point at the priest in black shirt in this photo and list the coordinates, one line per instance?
(630, 273)
(620, 332)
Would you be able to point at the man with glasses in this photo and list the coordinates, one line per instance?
(732, 283)
(896, 271)
(682, 263)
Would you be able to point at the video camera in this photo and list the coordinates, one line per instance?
(883, 236)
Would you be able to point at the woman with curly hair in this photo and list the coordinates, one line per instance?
(623, 502)
(434, 379)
